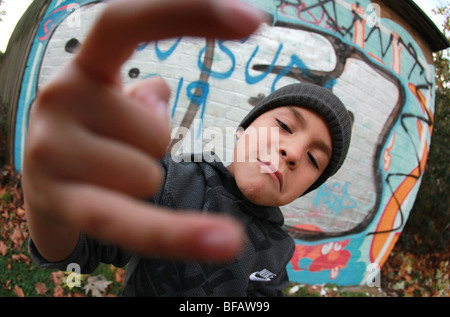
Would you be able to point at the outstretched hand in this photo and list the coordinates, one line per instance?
(93, 145)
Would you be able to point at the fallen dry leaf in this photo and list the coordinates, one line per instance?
(17, 238)
(20, 212)
(3, 248)
(119, 275)
(7, 285)
(41, 288)
(57, 277)
(25, 235)
(96, 285)
(59, 292)
(18, 291)
(75, 294)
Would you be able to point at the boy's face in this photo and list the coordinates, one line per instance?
(280, 155)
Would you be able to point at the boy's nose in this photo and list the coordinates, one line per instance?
(291, 155)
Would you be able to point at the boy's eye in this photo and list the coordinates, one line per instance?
(313, 160)
(284, 126)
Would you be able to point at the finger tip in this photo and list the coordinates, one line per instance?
(222, 242)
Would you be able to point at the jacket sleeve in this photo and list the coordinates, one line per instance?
(88, 254)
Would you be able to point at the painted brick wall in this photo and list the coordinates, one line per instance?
(346, 229)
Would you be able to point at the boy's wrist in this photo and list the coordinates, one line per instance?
(54, 240)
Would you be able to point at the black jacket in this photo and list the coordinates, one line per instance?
(203, 183)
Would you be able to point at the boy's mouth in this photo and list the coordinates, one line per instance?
(272, 170)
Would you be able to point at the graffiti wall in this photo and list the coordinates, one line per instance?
(345, 230)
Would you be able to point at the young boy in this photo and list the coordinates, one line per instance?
(92, 154)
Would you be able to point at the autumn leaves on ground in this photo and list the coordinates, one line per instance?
(19, 274)
(404, 274)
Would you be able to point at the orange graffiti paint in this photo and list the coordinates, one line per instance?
(325, 256)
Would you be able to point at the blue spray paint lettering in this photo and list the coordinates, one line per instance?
(180, 84)
(295, 62)
(255, 79)
(333, 200)
(198, 99)
(164, 55)
(219, 75)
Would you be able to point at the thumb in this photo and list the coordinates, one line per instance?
(153, 94)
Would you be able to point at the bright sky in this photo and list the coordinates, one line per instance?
(15, 8)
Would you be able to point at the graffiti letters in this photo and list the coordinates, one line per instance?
(372, 63)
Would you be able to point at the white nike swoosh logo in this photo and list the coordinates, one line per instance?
(262, 276)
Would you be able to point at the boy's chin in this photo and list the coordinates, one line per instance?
(263, 196)
(259, 194)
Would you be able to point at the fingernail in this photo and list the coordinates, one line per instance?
(162, 109)
(220, 241)
(159, 107)
(216, 239)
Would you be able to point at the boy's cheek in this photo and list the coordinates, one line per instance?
(255, 186)
(254, 191)
(245, 153)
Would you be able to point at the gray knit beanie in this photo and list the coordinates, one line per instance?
(325, 104)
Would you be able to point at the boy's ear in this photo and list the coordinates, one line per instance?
(239, 132)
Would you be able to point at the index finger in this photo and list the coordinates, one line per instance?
(147, 229)
(125, 24)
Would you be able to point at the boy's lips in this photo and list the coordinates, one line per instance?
(273, 171)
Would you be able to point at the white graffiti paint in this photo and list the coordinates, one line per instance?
(313, 41)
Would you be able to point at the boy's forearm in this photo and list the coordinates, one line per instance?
(55, 241)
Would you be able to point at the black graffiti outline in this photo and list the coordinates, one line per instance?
(345, 51)
(332, 23)
(321, 77)
(430, 122)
